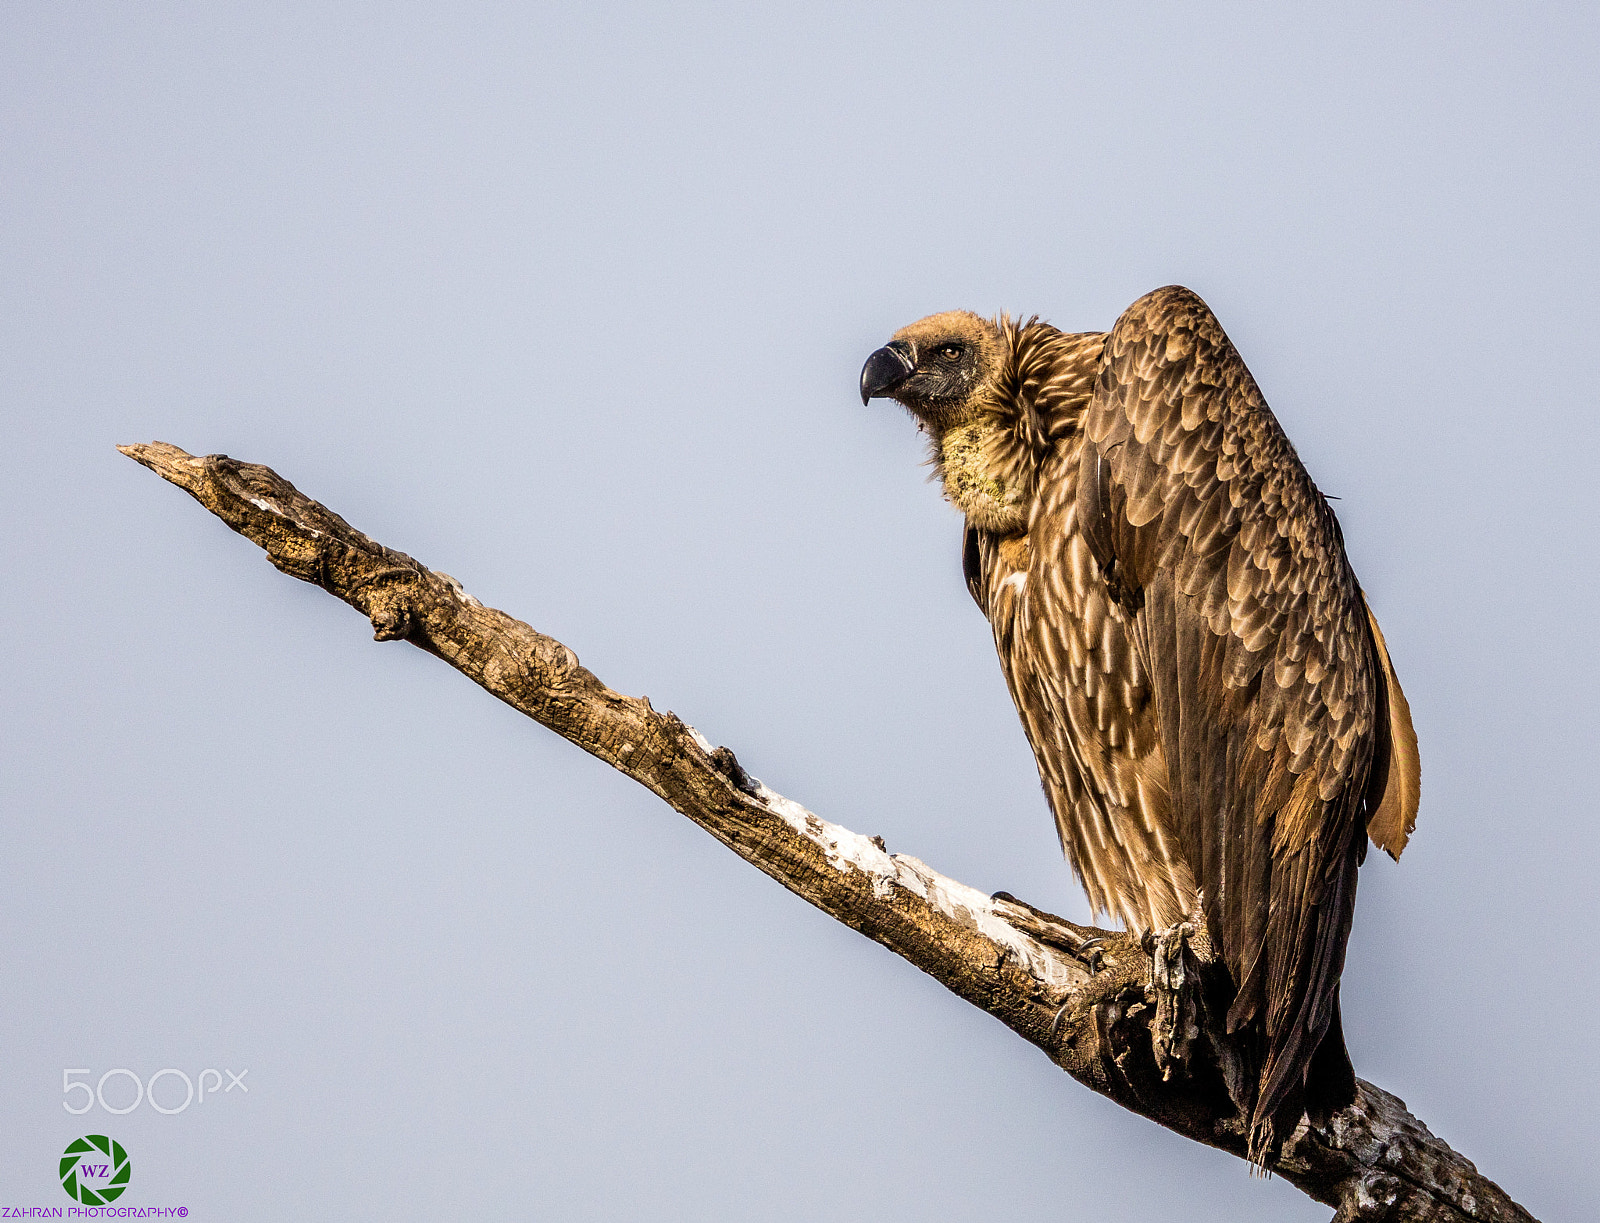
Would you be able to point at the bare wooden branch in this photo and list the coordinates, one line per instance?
(1372, 1161)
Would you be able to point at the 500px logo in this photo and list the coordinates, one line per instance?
(210, 1083)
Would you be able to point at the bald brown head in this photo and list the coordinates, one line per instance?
(941, 368)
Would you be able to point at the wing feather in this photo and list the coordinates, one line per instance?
(1267, 674)
(1394, 815)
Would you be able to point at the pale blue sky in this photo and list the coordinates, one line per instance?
(570, 303)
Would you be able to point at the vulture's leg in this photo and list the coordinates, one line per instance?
(1176, 955)
(1124, 983)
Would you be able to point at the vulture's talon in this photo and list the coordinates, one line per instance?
(1055, 1024)
(1092, 955)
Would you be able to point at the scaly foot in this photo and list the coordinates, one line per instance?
(1171, 989)
(1077, 941)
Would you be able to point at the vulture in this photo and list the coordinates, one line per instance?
(1216, 722)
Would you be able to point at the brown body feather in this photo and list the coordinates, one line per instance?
(1211, 705)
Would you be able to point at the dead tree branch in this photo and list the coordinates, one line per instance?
(1373, 1161)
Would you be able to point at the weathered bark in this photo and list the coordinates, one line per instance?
(1373, 1161)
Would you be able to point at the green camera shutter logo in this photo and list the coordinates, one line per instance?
(115, 1172)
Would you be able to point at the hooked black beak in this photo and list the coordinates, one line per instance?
(886, 369)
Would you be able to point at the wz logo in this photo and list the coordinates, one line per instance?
(210, 1082)
(95, 1170)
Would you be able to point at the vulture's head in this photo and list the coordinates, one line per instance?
(943, 368)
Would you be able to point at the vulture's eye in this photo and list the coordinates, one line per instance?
(949, 351)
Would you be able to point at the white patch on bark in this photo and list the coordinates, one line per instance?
(845, 851)
(971, 907)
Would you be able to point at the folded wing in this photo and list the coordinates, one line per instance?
(1279, 715)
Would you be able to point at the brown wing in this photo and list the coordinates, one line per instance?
(1263, 668)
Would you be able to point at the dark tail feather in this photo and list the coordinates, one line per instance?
(1307, 1066)
(1330, 1085)
(1331, 1079)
